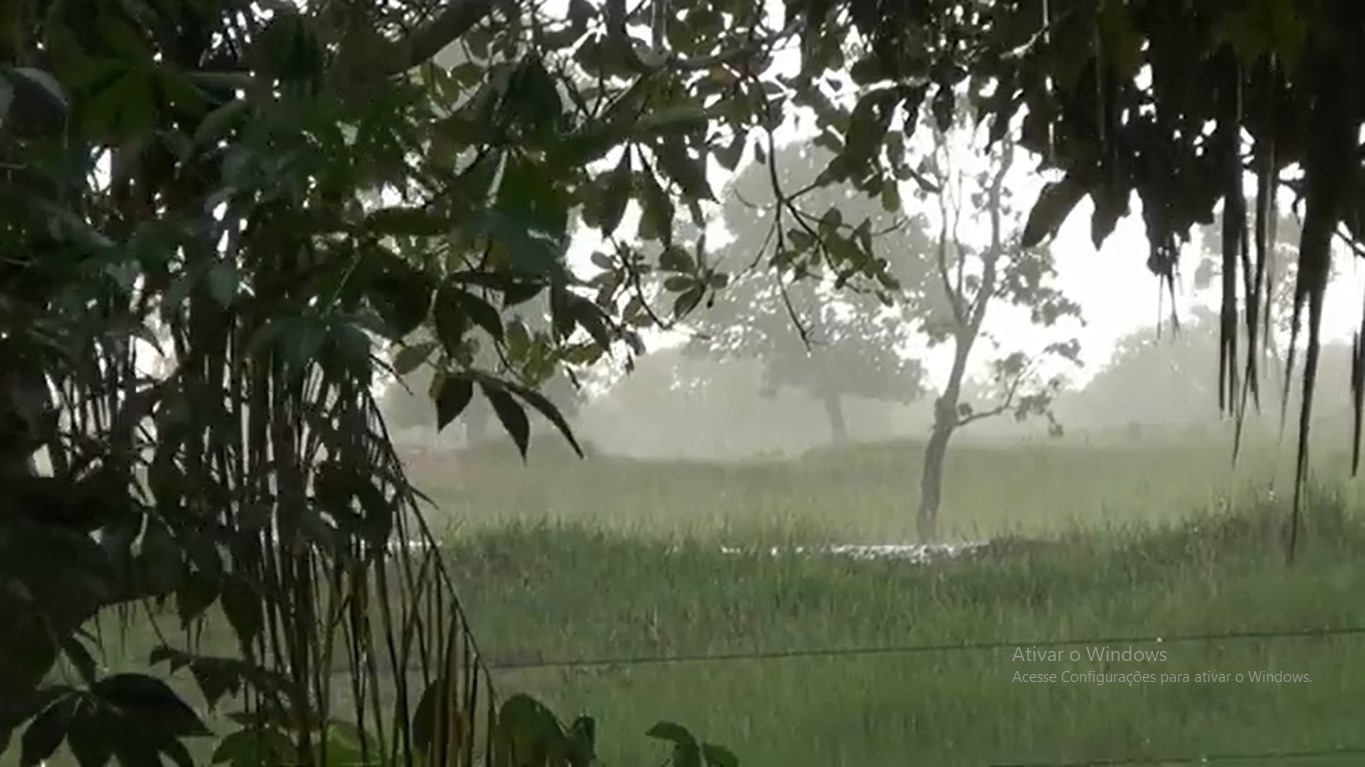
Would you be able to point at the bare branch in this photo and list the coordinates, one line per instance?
(1006, 405)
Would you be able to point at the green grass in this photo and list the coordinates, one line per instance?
(616, 558)
(865, 493)
(542, 593)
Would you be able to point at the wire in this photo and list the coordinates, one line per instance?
(1277, 756)
(651, 660)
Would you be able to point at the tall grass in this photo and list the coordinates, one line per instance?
(612, 558)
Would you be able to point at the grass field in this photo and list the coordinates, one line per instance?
(620, 559)
(861, 494)
(614, 558)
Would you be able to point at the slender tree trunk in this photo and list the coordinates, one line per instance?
(838, 424)
(936, 451)
(931, 483)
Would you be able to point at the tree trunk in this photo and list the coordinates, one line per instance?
(931, 485)
(936, 452)
(838, 424)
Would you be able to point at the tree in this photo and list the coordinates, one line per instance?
(292, 193)
(840, 344)
(1154, 376)
(1168, 376)
(976, 278)
(1152, 99)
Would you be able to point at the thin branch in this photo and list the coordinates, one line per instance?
(450, 25)
(1004, 406)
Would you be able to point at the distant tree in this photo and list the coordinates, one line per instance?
(1155, 375)
(1166, 376)
(809, 336)
(851, 348)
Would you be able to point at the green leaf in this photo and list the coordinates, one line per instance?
(656, 214)
(219, 123)
(689, 173)
(45, 733)
(546, 408)
(43, 80)
(891, 198)
(401, 294)
(242, 607)
(411, 357)
(672, 732)
(718, 756)
(673, 121)
(455, 393)
(301, 340)
(193, 596)
(1054, 204)
(688, 300)
(729, 156)
(616, 193)
(222, 281)
(451, 321)
(6, 97)
(150, 703)
(425, 724)
(532, 206)
(676, 259)
(686, 750)
(531, 250)
(591, 318)
(512, 416)
(254, 747)
(868, 125)
(532, 97)
(89, 742)
(477, 309)
(403, 221)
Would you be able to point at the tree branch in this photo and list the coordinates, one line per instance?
(1003, 407)
(450, 25)
(954, 295)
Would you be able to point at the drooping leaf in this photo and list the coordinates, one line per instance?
(1054, 204)
(510, 414)
(616, 194)
(45, 733)
(718, 756)
(688, 172)
(46, 82)
(547, 408)
(453, 397)
(242, 607)
(149, 703)
(657, 212)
